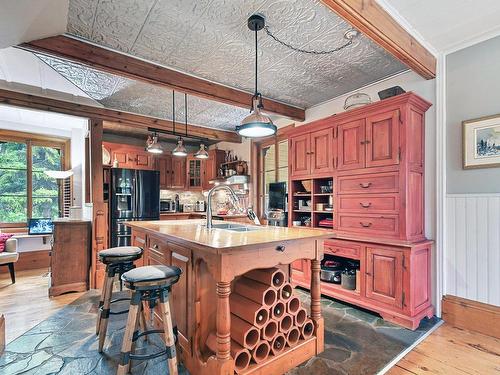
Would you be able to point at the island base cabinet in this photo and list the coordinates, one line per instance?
(394, 280)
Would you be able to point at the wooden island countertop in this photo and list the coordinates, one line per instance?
(212, 261)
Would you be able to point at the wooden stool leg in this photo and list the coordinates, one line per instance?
(168, 331)
(101, 303)
(142, 321)
(133, 315)
(103, 327)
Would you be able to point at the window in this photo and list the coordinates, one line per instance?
(25, 190)
(273, 168)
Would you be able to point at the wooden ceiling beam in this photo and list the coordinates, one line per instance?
(374, 22)
(139, 121)
(127, 66)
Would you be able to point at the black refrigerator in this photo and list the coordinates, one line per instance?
(134, 196)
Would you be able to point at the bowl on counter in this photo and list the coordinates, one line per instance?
(297, 223)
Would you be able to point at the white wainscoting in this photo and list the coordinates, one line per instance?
(472, 254)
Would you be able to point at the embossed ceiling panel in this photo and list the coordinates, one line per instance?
(128, 95)
(210, 39)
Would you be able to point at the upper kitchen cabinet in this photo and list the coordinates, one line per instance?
(372, 141)
(312, 153)
(172, 171)
(128, 156)
(194, 173)
(211, 167)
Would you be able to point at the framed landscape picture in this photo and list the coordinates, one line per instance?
(481, 138)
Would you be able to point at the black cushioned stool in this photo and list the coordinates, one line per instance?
(151, 284)
(118, 260)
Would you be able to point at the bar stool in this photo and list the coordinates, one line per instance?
(118, 260)
(150, 284)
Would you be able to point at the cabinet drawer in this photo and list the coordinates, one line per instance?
(342, 250)
(369, 183)
(387, 225)
(364, 203)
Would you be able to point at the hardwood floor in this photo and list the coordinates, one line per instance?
(448, 350)
(451, 350)
(26, 303)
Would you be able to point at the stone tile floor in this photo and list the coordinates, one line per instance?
(356, 342)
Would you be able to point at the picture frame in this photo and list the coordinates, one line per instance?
(481, 142)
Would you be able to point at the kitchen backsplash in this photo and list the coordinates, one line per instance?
(220, 199)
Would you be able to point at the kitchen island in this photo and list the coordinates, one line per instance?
(212, 262)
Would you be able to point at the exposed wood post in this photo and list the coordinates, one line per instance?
(223, 321)
(372, 20)
(99, 219)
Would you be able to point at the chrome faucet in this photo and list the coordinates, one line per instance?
(232, 195)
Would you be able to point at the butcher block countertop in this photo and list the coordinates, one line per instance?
(194, 231)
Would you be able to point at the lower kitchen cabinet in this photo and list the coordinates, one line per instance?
(394, 280)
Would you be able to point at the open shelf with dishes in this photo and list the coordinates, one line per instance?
(312, 203)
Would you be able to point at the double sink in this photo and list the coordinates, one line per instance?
(235, 227)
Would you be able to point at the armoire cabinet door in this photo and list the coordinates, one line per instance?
(351, 145)
(321, 151)
(300, 157)
(382, 139)
(384, 276)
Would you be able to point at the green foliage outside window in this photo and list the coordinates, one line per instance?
(14, 177)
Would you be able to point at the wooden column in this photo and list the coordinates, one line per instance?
(316, 304)
(99, 217)
(223, 321)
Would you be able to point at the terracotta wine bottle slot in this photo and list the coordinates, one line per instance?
(269, 276)
(307, 329)
(269, 330)
(286, 292)
(241, 355)
(292, 337)
(248, 310)
(278, 344)
(286, 323)
(244, 333)
(293, 305)
(261, 351)
(278, 311)
(300, 317)
(255, 291)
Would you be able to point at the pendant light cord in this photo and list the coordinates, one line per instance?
(173, 110)
(186, 112)
(256, 59)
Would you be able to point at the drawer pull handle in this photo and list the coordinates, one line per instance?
(365, 185)
(365, 225)
(280, 248)
(155, 246)
(365, 205)
(368, 274)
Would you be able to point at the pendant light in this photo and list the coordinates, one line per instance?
(179, 150)
(153, 145)
(256, 124)
(201, 153)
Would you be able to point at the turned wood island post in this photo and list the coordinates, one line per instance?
(213, 262)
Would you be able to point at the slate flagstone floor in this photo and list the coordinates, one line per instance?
(356, 342)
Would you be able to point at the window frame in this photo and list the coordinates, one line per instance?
(258, 147)
(63, 144)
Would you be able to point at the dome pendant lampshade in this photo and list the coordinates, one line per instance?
(256, 124)
(153, 145)
(201, 153)
(180, 150)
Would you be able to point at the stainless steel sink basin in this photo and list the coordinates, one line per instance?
(235, 227)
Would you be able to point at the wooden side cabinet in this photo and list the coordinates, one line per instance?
(70, 257)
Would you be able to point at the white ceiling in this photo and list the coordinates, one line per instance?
(26, 20)
(210, 39)
(449, 24)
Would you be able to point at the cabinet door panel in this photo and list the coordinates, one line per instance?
(143, 161)
(178, 175)
(350, 145)
(194, 173)
(165, 167)
(382, 135)
(384, 276)
(300, 271)
(321, 151)
(181, 294)
(299, 155)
